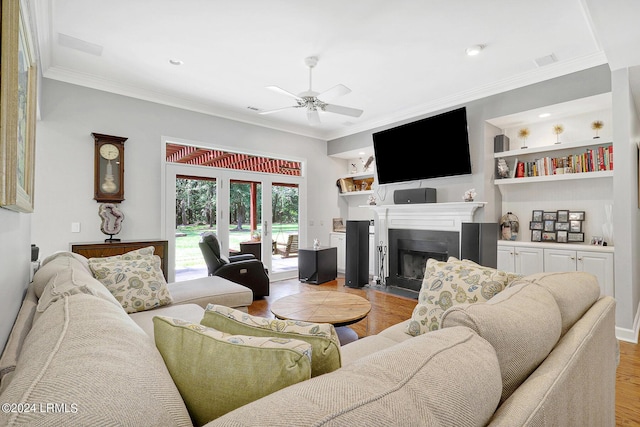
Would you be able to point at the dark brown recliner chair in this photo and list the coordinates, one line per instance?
(243, 269)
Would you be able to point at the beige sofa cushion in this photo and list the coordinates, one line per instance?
(574, 292)
(19, 332)
(522, 323)
(71, 281)
(218, 372)
(86, 352)
(576, 384)
(410, 384)
(325, 355)
(53, 264)
(365, 346)
(446, 284)
(190, 312)
(134, 278)
(211, 290)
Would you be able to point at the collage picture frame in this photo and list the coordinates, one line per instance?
(561, 226)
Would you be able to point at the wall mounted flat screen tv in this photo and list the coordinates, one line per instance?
(434, 147)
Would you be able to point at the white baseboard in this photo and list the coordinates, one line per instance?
(630, 335)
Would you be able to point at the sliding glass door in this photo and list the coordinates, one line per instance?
(250, 212)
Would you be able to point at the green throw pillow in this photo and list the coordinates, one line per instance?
(451, 283)
(134, 278)
(324, 341)
(217, 372)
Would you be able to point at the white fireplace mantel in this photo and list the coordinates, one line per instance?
(424, 216)
(421, 216)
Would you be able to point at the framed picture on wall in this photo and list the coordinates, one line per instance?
(536, 225)
(18, 114)
(536, 235)
(537, 216)
(576, 216)
(575, 237)
(548, 236)
(575, 226)
(562, 236)
(563, 216)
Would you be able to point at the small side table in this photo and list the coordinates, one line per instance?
(317, 265)
(252, 247)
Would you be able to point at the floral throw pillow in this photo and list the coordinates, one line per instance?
(451, 283)
(135, 279)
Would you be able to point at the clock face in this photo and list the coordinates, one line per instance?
(109, 151)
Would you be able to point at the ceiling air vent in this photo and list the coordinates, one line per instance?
(545, 60)
(253, 108)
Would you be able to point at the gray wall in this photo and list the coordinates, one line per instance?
(65, 150)
(15, 256)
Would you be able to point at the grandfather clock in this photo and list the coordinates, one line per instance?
(109, 168)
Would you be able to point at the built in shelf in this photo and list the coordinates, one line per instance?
(561, 177)
(552, 148)
(357, 193)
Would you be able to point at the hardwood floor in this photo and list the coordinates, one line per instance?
(387, 310)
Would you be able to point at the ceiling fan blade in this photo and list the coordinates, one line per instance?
(339, 109)
(278, 109)
(283, 92)
(334, 92)
(314, 117)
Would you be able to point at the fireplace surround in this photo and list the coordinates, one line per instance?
(414, 232)
(409, 251)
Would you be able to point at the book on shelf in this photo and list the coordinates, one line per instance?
(513, 168)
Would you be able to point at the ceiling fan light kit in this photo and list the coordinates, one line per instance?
(315, 101)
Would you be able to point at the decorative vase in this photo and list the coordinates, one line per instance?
(509, 226)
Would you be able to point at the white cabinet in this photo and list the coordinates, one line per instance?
(533, 257)
(600, 264)
(339, 240)
(520, 260)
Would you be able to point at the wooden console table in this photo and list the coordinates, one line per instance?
(105, 249)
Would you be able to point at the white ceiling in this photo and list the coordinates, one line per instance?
(400, 59)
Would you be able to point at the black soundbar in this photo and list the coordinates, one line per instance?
(414, 195)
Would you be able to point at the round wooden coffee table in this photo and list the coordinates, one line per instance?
(338, 308)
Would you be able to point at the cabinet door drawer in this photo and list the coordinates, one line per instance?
(559, 260)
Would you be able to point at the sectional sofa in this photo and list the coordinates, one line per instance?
(541, 352)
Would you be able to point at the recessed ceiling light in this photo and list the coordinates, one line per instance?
(474, 50)
(175, 62)
(543, 115)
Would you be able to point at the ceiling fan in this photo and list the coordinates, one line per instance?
(315, 101)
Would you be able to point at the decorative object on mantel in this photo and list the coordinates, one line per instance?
(112, 218)
(597, 125)
(509, 226)
(371, 200)
(469, 195)
(558, 129)
(560, 226)
(523, 134)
